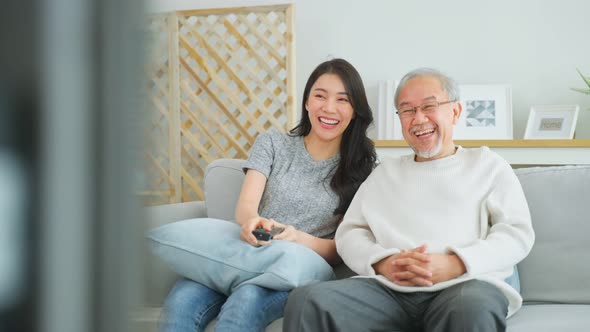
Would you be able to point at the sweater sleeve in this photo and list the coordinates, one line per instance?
(510, 236)
(355, 241)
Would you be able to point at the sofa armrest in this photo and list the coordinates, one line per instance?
(223, 182)
(167, 213)
(158, 277)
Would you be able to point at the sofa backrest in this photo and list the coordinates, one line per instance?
(558, 267)
(223, 183)
(556, 270)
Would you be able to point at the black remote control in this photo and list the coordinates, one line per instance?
(261, 234)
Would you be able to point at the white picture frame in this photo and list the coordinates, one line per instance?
(388, 124)
(386, 116)
(487, 112)
(552, 122)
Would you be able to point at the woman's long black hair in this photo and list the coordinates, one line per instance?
(357, 152)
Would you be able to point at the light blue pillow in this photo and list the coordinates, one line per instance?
(210, 252)
(514, 280)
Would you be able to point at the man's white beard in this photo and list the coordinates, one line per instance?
(431, 153)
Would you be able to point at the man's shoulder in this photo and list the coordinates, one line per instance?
(386, 168)
(483, 153)
(483, 156)
(479, 151)
(391, 162)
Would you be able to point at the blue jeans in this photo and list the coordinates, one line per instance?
(190, 306)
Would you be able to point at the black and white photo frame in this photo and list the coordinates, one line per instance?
(552, 122)
(487, 112)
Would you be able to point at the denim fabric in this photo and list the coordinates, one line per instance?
(251, 308)
(190, 306)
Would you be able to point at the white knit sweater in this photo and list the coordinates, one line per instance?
(470, 203)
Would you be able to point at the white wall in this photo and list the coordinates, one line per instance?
(533, 45)
(159, 6)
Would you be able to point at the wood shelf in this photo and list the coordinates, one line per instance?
(507, 143)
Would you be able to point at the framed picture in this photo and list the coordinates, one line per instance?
(388, 123)
(552, 122)
(487, 112)
(386, 117)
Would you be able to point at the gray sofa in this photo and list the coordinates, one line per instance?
(554, 278)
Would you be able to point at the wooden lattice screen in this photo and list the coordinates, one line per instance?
(216, 78)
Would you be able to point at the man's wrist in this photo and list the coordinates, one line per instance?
(458, 263)
(377, 265)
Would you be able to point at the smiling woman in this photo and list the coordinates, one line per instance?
(322, 162)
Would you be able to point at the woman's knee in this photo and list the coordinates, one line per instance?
(260, 298)
(248, 293)
(186, 292)
(251, 308)
(190, 306)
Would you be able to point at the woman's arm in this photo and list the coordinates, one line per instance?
(248, 203)
(323, 247)
(247, 216)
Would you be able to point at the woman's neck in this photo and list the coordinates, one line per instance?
(321, 150)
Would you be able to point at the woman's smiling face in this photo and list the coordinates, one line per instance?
(329, 108)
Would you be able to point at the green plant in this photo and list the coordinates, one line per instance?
(586, 80)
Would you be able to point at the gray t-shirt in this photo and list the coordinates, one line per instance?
(297, 191)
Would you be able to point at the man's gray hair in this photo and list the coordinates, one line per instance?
(448, 84)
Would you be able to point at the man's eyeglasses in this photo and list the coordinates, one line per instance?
(430, 107)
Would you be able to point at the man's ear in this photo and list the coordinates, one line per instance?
(457, 109)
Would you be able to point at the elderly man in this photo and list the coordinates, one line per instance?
(432, 235)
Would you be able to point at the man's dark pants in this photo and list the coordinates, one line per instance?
(363, 304)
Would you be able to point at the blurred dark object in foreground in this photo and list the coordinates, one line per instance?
(19, 155)
(69, 116)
